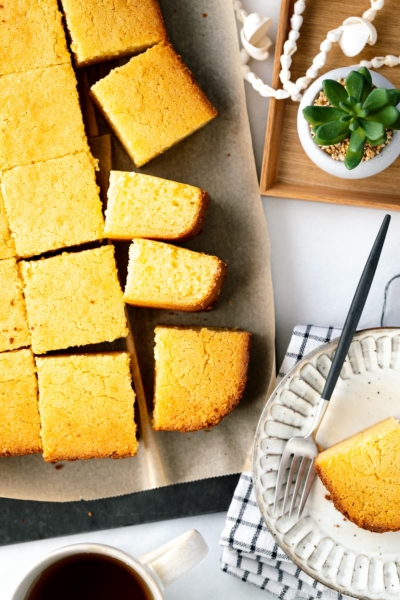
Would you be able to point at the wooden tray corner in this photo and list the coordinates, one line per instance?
(287, 172)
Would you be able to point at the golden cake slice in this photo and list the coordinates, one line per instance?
(142, 206)
(7, 248)
(165, 276)
(200, 376)
(86, 406)
(19, 414)
(362, 476)
(74, 299)
(14, 332)
(104, 29)
(31, 35)
(53, 204)
(152, 103)
(40, 116)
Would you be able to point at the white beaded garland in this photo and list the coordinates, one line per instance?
(291, 89)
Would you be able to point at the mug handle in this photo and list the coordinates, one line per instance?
(175, 558)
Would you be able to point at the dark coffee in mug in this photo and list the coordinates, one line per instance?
(89, 577)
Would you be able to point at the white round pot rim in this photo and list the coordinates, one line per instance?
(321, 158)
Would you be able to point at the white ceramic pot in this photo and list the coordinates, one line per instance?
(158, 568)
(321, 158)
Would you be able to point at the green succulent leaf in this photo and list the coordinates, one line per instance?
(316, 115)
(357, 140)
(379, 141)
(346, 118)
(331, 133)
(378, 98)
(354, 125)
(368, 82)
(396, 124)
(373, 130)
(353, 158)
(345, 107)
(335, 92)
(386, 115)
(394, 97)
(355, 83)
(365, 72)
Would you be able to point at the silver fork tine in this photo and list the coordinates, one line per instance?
(292, 472)
(307, 488)
(281, 475)
(299, 479)
(304, 447)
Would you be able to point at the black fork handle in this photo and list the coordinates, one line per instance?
(355, 311)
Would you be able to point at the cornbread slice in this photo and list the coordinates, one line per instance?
(164, 276)
(152, 103)
(142, 206)
(19, 414)
(200, 376)
(86, 407)
(40, 117)
(7, 248)
(74, 299)
(31, 36)
(53, 204)
(362, 476)
(103, 29)
(14, 331)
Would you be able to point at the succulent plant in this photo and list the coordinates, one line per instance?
(358, 111)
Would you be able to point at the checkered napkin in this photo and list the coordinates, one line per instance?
(249, 551)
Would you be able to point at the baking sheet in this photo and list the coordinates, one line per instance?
(219, 159)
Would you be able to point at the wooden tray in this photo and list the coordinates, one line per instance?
(287, 172)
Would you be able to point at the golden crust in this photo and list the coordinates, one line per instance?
(74, 299)
(148, 207)
(53, 204)
(338, 504)
(201, 374)
(19, 414)
(40, 116)
(149, 119)
(99, 31)
(362, 478)
(197, 224)
(165, 276)
(86, 405)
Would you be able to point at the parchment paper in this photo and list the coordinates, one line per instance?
(219, 159)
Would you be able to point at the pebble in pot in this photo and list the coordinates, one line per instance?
(356, 123)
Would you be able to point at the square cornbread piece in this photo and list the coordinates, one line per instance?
(7, 248)
(152, 103)
(19, 414)
(86, 407)
(53, 204)
(40, 117)
(142, 206)
(165, 276)
(14, 331)
(103, 29)
(74, 299)
(31, 35)
(200, 376)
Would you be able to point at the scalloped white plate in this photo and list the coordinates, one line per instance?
(328, 547)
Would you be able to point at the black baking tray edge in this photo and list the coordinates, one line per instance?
(27, 520)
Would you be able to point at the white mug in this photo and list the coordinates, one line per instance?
(158, 568)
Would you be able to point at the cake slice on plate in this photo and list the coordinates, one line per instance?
(363, 477)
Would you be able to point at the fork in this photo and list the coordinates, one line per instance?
(304, 449)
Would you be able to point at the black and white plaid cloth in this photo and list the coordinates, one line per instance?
(249, 552)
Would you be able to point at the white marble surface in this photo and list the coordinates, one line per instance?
(317, 252)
